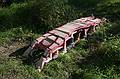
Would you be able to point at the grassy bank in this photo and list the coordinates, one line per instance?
(96, 57)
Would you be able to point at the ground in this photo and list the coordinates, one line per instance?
(96, 57)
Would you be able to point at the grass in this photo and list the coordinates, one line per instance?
(74, 64)
(17, 34)
(96, 57)
(79, 62)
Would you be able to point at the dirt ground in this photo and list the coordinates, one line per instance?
(9, 49)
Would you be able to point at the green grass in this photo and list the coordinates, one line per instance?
(96, 57)
(79, 62)
(74, 64)
(17, 34)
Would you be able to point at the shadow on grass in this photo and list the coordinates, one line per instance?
(18, 55)
(27, 61)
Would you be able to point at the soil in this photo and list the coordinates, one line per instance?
(7, 50)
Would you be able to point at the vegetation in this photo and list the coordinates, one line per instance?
(96, 57)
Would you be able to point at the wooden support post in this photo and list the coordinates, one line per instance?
(73, 43)
(40, 64)
(65, 47)
(94, 29)
(78, 37)
(86, 30)
(43, 60)
(55, 55)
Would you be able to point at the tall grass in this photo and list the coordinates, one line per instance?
(97, 57)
